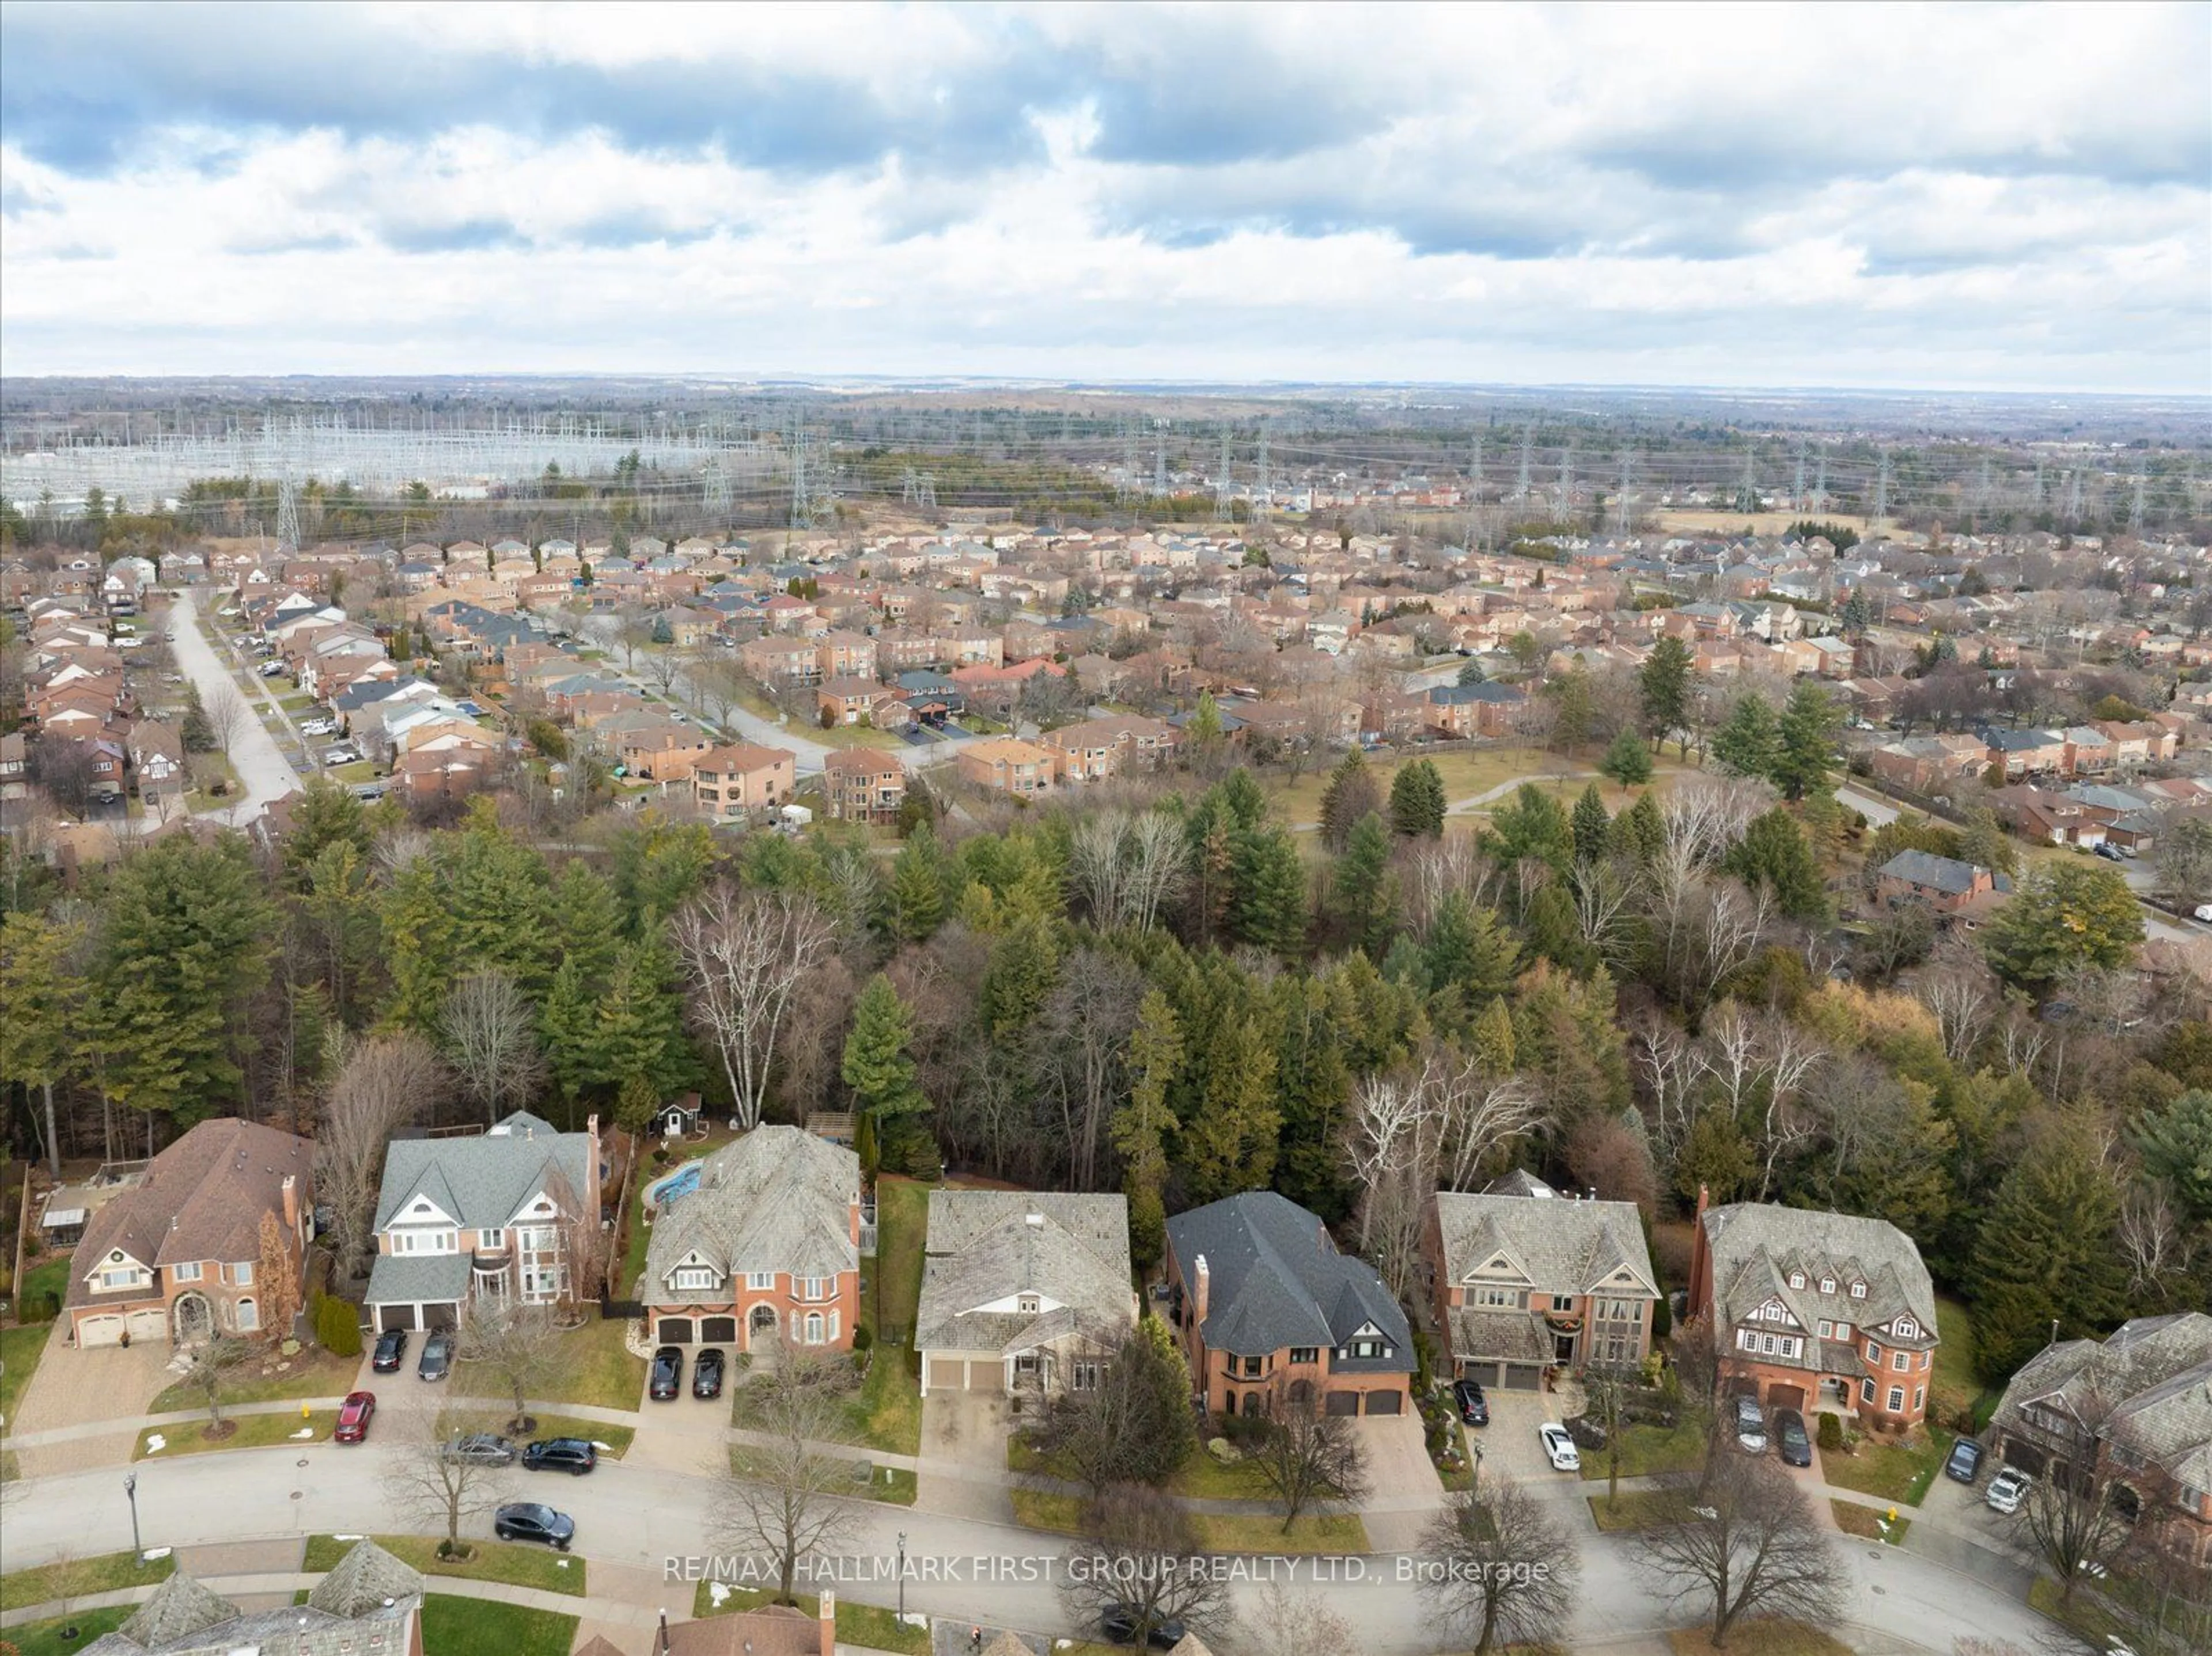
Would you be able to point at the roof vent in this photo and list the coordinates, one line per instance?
(1036, 1221)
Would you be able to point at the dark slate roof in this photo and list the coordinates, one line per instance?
(2019, 741)
(1275, 1279)
(1450, 695)
(1927, 869)
(489, 1179)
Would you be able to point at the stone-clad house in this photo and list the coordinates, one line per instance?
(177, 1257)
(762, 1244)
(1265, 1303)
(1526, 1278)
(369, 1605)
(498, 1213)
(1815, 1311)
(1022, 1291)
(2133, 1411)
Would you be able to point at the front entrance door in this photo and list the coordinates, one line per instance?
(195, 1320)
(1563, 1349)
(760, 1328)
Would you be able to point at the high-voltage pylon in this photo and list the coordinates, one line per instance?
(1474, 470)
(288, 513)
(1820, 484)
(1159, 457)
(2136, 507)
(1527, 447)
(714, 493)
(1566, 483)
(1128, 458)
(2073, 497)
(1881, 491)
(1263, 495)
(2039, 485)
(1747, 491)
(1222, 510)
(802, 503)
(1797, 488)
(1984, 486)
(1621, 515)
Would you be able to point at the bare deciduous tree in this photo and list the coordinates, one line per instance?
(1081, 1038)
(2071, 1520)
(2153, 1242)
(212, 1361)
(228, 718)
(1743, 1539)
(1126, 868)
(1287, 1624)
(1957, 987)
(788, 1500)
(1142, 1551)
(744, 952)
(1500, 1567)
(383, 1083)
(1308, 1458)
(431, 1484)
(515, 1341)
(491, 1038)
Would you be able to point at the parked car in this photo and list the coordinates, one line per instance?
(340, 756)
(2109, 851)
(391, 1351)
(1750, 1421)
(2203, 911)
(1965, 1461)
(525, 1520)
(318, 727)
(2007, 1490)
(1473, 1407)
(354, 1415)
(561, 1454)
(1796, 1447)
(1119, 1624)
(667, 1374)
(437, 1359)
(707, 1373)
(1559, 1448)
(482, 1449)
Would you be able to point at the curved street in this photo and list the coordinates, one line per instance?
(263, 772)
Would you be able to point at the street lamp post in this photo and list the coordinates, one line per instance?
(1477, 1447)
(902, 1577)
(131, 1490)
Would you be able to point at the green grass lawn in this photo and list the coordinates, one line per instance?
(478, 1626)
(253, 1432)
(1252, 1532)
(1957, 1385)
(362, 770)
(489, 1560)
(51, 1277)
(2083, 1614)
(864, 1625)
(1646, 1451)
(1466, 773)
(20, 1351)
(884, 1412)
(1888, 1471)
(592, 1366)
(1759, 1639)
(892, 1286)
(1855, 1519)
(314, 1373)
(1634, 1509)
(45, 1638)
(80, 1578)
(892, 1486)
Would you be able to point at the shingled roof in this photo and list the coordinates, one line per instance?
(1523, 1234)
(487, 1180)
(989, 1246)
(2146, 1388)
(1275, 1279)
(1756, 1247)
(777, 1199)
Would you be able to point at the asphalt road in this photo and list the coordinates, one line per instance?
(263, 772)
(958, 1567)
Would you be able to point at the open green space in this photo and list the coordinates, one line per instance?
(864, 1625)
(891, 1486)
(1889, 1471)
(478, 1626)
(1957, 1385)
(1240, 1533)
(248, 1431)
(1633, 1509)
(80, 1578)
(21, 1349)
(45, 1638)
(49, 1276)
(488, 1560)
(314, 1373)
(590, 1365)
(1647, 1450)
(1852, 1518)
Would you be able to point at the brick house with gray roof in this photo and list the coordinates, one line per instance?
(763, 1245)
(2134, 1412)
(1265, 1303)
(495, 1214)
(1022, 1291)
(369, 1605)
(1815, 1311)
(1526, 1279)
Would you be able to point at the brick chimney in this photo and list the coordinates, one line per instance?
(829, 1623)
(291, 1188)
(1202, 1283)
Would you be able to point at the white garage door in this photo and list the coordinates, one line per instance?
(149, 1323)
(99, 1331)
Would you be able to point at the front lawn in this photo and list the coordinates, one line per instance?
(80, 1578)
(864, 1625)
(50, 1278)
(1759, 1639)
(45, 1638)
(591, 1366)
(890, 1286)
(1888, 1471)
(1647, 1450)
(20, 1351)
(1635, 1509)
(251, 1432)
(479, 1626)
(1855, 1519)
(488, 1560)
(614, 1441)
(271, 1378)
(1239, 1532)
(892, 1486)
(884, 1413)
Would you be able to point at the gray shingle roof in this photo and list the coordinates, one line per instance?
(1756, 1247)
(1926, 869)
(418, 1279)
(2150, 1382)
(777, 1199)
(1521, 1234)
(487, 1180)
(1275, 1279)
(984, 1251)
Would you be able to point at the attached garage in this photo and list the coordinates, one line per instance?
(947, 1374)
(986, 1374)
(1522, 1377)
(1785, 1396)
(718, 1330)
(673, 1331)
(1342, 1403)
(149, 1322)
(441, 1316)
(1385, 1403)
(389, 1317)
(99, 1331)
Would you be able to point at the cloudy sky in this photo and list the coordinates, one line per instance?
(1988, 197)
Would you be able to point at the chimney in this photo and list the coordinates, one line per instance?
(291, 1203)
(661, 1647)
(829, 1623)
(592, 1124)
(1200, 1286)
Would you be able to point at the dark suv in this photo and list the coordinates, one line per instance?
(1473, 1407)
(561, 1454)
(667, 1374)
(391, 1351)
(707, 1373)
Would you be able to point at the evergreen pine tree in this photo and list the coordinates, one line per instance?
(1362, 873)
(917, 890)
(876, 1065)
(2046, 1251)
(1268, 909)
(1773, 853)
(1806, 734)
(1627, 762)
(1416, 801)
(1747, 743)
(1663, 688)
(1591, 825)
(1350, 796)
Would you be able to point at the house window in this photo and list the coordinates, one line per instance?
(1827, 1285)
(1305, 1353)
(242, 1275)
(1797, 1279)
(1029, 1304)
(1251, 1369)
(1906, 1328)
(1919, 1396)
(494, 1238)
(190, 1273)
(814, 1328)
(1084, 1376)
(814, 1288)
(1370, 1349)
(1843, 1330)
(129, 1277)
(249, 1317)
(1896, 1399)
(1498, 1297)
(695, 1276)
(765, 1279)
(1866, 1390)
(1563, 1302)
(1873, 1354)
(1858, 1290)
(1827, 1329)
(1900, 1361)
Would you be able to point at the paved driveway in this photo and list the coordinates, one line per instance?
(685, 1434)
(1509, 1443)
(73, 1388)
(961, 1430)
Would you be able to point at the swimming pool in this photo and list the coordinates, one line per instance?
(682, 1182)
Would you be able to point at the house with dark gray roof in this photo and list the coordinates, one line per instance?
(1527, 1279)
(497, 1213)
(1022, 1291)
(1944, 883)
(2132, 1411)
(1815, 1311)
(1268, 1308)
(369, 1605)
(762, 1244)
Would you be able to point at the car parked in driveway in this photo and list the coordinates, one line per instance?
(340, 756)
(1119, 1624)
(561, 1454)
(354, 1415)
(1749, 1422)
(437, 1359)
(481, 1449)
(707, 1370)
(391, 1351)
(525, 1520)
(667, 1379)
(2007, 1490)
(1559, 1448)
(1473, 1408)
(1796, 1446)
(1965, 1461)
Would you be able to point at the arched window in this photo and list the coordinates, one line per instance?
(249, 1317)
(814, 1328)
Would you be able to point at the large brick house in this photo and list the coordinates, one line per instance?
(1526, 1279)
(177, 1256)
(1815, 1311)
(1265, 1304)
(762, 1244)
(1944, 883)
(737, 783)
(2132, 1412)
(501, 1213)
(858, 785)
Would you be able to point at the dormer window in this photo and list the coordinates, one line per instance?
(1858, 1290)
(1029, 1304)
(1907, 1329)
(1797, 1279)
(1827, 1285)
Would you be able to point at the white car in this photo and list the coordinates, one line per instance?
(2007, 1490)
(317, 727)
(2204, 911)
(340, 756)
(1559, 1448)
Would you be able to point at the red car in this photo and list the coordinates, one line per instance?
(354, 1415)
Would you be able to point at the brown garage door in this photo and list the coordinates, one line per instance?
(441, 1316)
(1385, 1402)
(989, 1376)
(1342, 1403)
(674, 1331)
(947, 1374)
(718, 1330)
(1785, 1396)
(389, 1317)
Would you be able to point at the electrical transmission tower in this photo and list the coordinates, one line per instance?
(1263, 498)
(1527, 444)
(2039, 485)
(1820, 484)
(2073, 497)
(1747, 494)
(802, 503)
(288, 513)
(1159, 457)
(1880, 492)
(1797, 488)
(1128, 458)
(2136, 507)
(715, 491)
(1566, 481)
(1621, 515)
(1474, 470)
(1221, 511)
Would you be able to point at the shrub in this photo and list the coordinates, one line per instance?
(1831, 1432)
(863, 1338)
(337, 1326)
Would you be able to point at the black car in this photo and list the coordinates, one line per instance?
(391, 1351)
(437, 1359)
(1119, 1624)
(1473, 1407)
(561, 1454)
(1789, 1433)
(1965, 1461)
(707, 1373)
(481, 1449)
(525, 1520)
(667, 1374)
